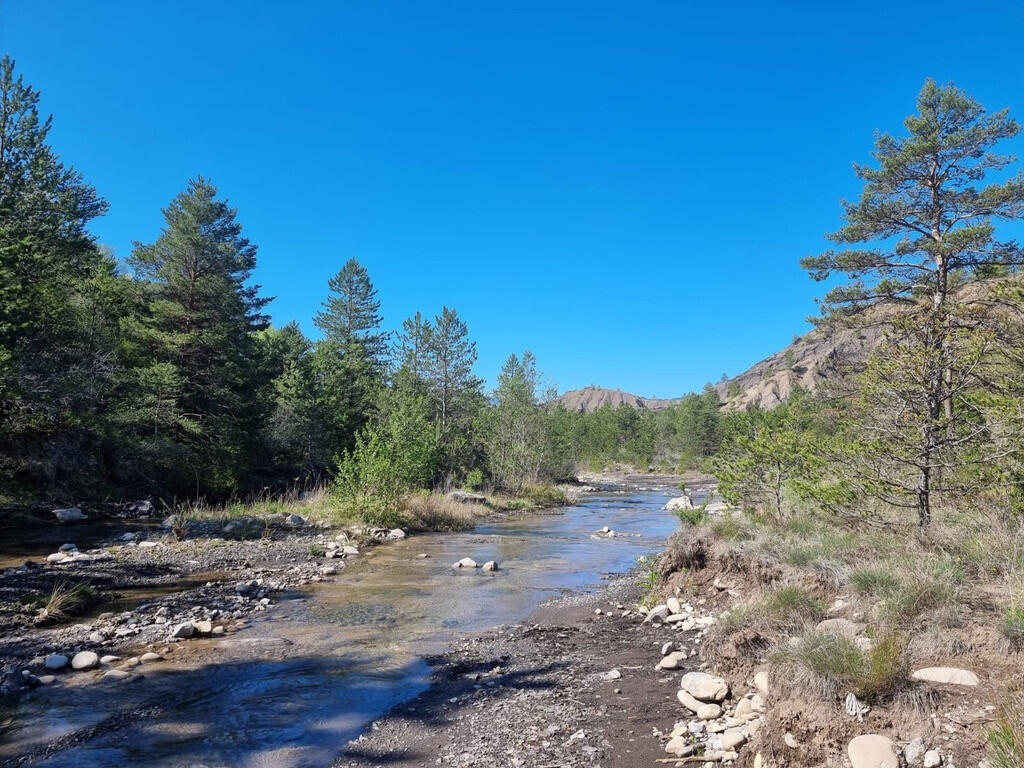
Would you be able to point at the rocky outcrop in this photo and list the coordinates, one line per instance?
(591, 398)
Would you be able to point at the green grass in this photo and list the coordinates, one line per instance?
(694, 516)
(730, 528)
(839, 665)
(938, 584)
(1006, 737)
(62, 602)
(789, 602)
(873, 581)
(1012, 625)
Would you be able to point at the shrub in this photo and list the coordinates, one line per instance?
(1012, 625)
(544, 495)
(474, 479)
(693, 516)
(873, 581)
(436, 512)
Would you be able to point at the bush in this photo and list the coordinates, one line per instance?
(1012, 625)
(544, 495)
(873, 581)
(474, 479)
(693, 516)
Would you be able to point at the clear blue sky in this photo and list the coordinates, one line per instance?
(624, 188)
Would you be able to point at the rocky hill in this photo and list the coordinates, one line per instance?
(591, 398)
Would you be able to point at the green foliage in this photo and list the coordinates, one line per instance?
(693, 516)
(1012, 624)
(791, 602)
(839, 665)
(875, 582)
(474, 479)
(1006, 737)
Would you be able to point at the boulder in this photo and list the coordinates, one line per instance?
(658, 612)
(69, 515)
(490, 566)
(58, 557)
(946, 676)
(466, 562)
(203, 627)
(184, 630)
(150, 657)
(674, 605)
(732, 738)
(85, 660)
(679, 503)
(761, 682)
(55, 661)
(704, 687)
(688, 701)
(396, 534)
(116, 674)
(69, 547)
(294, 521)
(872, 751)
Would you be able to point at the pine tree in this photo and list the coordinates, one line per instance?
(922, 225)
(58, 302)
(194, 349)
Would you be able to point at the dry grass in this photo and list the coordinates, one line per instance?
(1006, 738)
(436, 512)
(62, 602)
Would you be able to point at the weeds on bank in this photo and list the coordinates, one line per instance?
(836, 665)
(1012, 625)
(1006, 738)
(63, 601)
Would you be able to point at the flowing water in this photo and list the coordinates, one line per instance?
(312, 673)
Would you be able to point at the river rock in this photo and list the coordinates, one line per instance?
(466, 562)
(946, 676)
(914, 751)
(396, 534)
(108, 659)
(58, 557)
(294, 521)
(674, 606)
(679, 746)
(55, 661)
(932, 758)
(116, 674)
(708, 712)
(69, 515)
(349, 550)
(68, 547)
(732, 738)
(872, 751)
(46, 679)
(203, 627)
(761, 682)
(184, 630)
(743, 709)
(85, 660)
(704, 687)
(679, 503)
(490, 565)
(673, 660)
(150, 657)
(658, 612)
(328, 570)
(688, 701)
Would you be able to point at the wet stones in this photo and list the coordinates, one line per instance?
(69, 515)
(490, 566)
(466, 562)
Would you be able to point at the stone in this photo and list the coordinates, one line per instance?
(116, 674)
(69, 547)
(704, 687)
(203, 627)
(708, 712)
(294, 521)
(85, 660)
(872, 751)
(328, 570)
(611, 675)
(757, 702)
(946, 676)
(349, 550)
(490, 566)
(790, 740)
(46, 679)
(69, 515)
(667, 648)
(732, 738)
(840, 627)
(679, 503)
(673, 605)
(150, 657)
(108, 659)
(914, 751)
(97, 638)
(673, 660)
(743, 709)
(466, 562)
(761, 682)
(58, 557)
(658, 612)
(932, 758)
(184, 630)
(688, 701)
(679, 746)
(396, 534)
(55, 661)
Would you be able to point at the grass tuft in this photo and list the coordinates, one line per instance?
(876, 582)
(1012, 625)
(839, 666)
(1006, 738)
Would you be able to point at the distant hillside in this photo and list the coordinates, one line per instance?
(591, 398)
(811, 359)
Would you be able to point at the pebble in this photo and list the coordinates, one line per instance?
(914, 751)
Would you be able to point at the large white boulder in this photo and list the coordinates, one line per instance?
(85, 660)
(946, 676)
(872, 751)
(69, 515)
(679, 503)
(704, 687)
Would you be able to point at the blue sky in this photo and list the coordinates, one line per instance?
(623, 188)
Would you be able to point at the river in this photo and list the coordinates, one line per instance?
(314, 672)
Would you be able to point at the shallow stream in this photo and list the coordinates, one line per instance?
(314, 671)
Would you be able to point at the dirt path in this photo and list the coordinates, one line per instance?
(540, 694)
